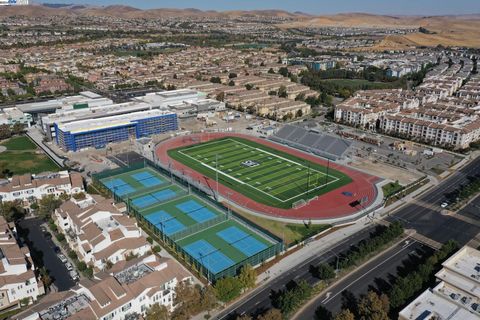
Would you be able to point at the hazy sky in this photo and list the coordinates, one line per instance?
(407, 7)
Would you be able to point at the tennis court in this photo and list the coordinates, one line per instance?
(223, 248)
(156, 196)
(118, 186)
(186, 210)
(165, 222)
(244, 242)
(134, 181)
(209, 256)
(196, 211)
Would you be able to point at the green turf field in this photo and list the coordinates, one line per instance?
(264, 174)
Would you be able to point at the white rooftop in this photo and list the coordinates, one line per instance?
(109, 122)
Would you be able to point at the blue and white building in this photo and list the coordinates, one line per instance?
(98, 133)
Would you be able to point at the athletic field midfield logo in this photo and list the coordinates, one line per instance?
(250, 163)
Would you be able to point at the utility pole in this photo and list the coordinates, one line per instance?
(216, 174)
(328, 167)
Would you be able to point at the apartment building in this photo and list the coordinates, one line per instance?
(277, 108)
(126, 291)
(30, 187)
(17, 277)
(99, 231)
(366, 107)
(456, 296)
(98, 133)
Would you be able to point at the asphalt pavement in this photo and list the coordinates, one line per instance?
(375, 275)
(424, 215)
(260, 301)
(58, 271)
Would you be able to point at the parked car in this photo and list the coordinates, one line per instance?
(444, 205)
(62, 258)
(57, 249)
(69, 266)
(74, 275)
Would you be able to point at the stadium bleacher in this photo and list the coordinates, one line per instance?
(318, 143)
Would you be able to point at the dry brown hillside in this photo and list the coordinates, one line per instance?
(449, 30)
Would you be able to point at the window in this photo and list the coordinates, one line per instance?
(126, 307)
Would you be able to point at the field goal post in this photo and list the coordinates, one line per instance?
(299, 203)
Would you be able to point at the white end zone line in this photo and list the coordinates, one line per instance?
(262, 151)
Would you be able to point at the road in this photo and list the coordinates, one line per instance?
(374, 275)
(57, 269)
(472, 210)
(423, 215)
(260, 301)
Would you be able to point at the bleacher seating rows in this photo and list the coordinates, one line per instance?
(321, 144)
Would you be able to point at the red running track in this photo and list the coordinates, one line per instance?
(330, 205)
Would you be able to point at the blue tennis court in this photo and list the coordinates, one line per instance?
(196, 211)
(147, 179)
(242, 241)
(209, 256)
(119, 187)
(149, 199)
(165, 222)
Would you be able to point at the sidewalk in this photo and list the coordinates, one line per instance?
(320, 246)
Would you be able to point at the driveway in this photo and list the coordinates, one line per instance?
(58, 271)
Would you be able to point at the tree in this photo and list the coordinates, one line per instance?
(157, 312)
(232, 75)
(209, 299)
(299, 113)
(282, 92)
(324, 271)
(300, 97)
(247, 277)
(249, 86)
(45, 277)
(322, 313)
(12, 210)
(271, 71)
(221, 96)
(5, 131)
(272, 314)
(345, 315)
(373, 307)
(283, 71)
(228, 288)
(47, 206)
(24, 301)
(215, 80)
(231, 83)
(18, 128)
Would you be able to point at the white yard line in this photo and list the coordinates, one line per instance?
(262, 151)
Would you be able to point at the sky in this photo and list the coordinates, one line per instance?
(318, 7)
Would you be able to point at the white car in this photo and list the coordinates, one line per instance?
(62, 258)
(74, 275)
(69, 266)
(444, 205)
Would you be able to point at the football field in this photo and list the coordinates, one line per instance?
(264, 174)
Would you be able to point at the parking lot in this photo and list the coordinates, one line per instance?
(391, 152)
(43, 243)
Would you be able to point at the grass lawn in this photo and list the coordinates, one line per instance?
(262, 173)
(391, 188)
(290, 232)
(19, 144)
(22, 156)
